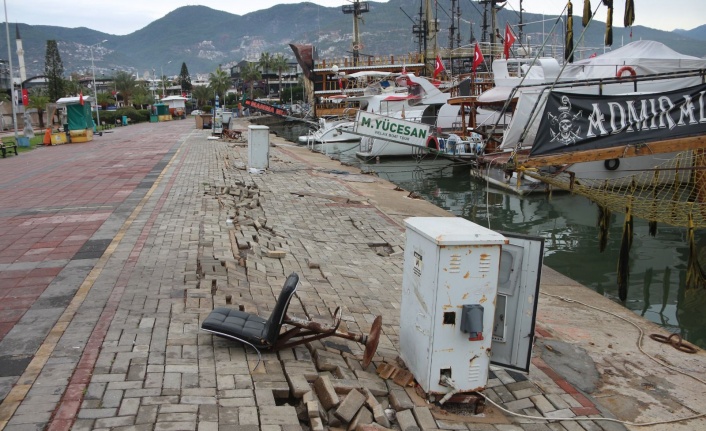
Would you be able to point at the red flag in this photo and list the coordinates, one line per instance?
(25, 97)
(438, 66)
(509, 40)
(477, 58)
(80, 97)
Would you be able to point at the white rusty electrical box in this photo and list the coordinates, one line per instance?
(258, 147)
(448, 318)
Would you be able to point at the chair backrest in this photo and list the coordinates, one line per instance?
(274, 323)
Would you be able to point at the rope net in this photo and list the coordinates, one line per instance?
(672, 192)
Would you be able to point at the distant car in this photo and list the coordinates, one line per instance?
(196, 112)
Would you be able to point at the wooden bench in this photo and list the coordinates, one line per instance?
(4, 148)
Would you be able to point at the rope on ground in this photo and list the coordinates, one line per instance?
(639, 346)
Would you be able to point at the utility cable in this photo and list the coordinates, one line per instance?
(639, 346)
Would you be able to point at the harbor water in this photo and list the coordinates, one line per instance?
(567, 223)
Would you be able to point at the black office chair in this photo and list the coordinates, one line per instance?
(264, 334)
(250, 328)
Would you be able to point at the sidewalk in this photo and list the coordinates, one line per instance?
(127, 352)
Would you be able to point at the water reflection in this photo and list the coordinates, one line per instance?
(568, 225)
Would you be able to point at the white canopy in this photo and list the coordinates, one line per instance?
(644, 56)
(73, 99)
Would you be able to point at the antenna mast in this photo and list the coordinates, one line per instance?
(356, 9)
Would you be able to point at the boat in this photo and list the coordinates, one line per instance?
(363, 90)
(421, 104)
(561, 112)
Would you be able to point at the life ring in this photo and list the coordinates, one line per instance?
(356, 47)
(611, 164)
(628, 69)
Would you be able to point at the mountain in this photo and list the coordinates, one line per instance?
(203, 37)
(698, 33)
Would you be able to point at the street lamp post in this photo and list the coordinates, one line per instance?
(162, 69)
(95, 89)
(12, 81)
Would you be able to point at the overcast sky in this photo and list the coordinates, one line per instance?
(126, 16)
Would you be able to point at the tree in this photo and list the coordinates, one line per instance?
(142, 96)
(38, 100)
(265, 64)
(219, 82)
(250, 74)
(201, 94)
(54, 71)
(185, 79)
(126, 85)
(279, 65)
(165, 83)
(105, 99)
(71, 88)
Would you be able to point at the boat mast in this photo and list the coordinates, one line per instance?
(356, 9)
(455, 29)
(521, 26)
(432, 28)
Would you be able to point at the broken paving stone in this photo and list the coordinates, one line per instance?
(361, 418)
(400, 400)
(312, 409)
(404, 378)
(316, 424)
(298, 385)
(312, 264)
(350, 406)
(327, 361)
(326, 392)
(387, 371)
(276, 254)
(406, 421)
(344, 373)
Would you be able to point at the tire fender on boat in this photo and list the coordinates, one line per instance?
(611, 164)
(628, 69)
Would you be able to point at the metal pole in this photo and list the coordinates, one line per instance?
(95, 89)
(162, 78)
(12, 80)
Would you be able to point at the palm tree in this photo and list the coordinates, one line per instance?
(279, 65)
(125, 84)
(265, 64)
(219, 82)
(249, 73)
(142, 96)
(39, 101)
(201, 94)
(105, 99)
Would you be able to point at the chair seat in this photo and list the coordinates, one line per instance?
(237, 324)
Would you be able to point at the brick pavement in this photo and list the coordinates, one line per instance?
(127, 352)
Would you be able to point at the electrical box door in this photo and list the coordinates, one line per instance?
(516, 303)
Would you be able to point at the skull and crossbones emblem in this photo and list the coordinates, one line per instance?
(565, 120)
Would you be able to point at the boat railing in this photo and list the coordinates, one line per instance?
(401, 60)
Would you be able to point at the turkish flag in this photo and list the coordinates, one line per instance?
(477, 58)
(509, 40)
(80, 97)
(25, 97)
(438, 66)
